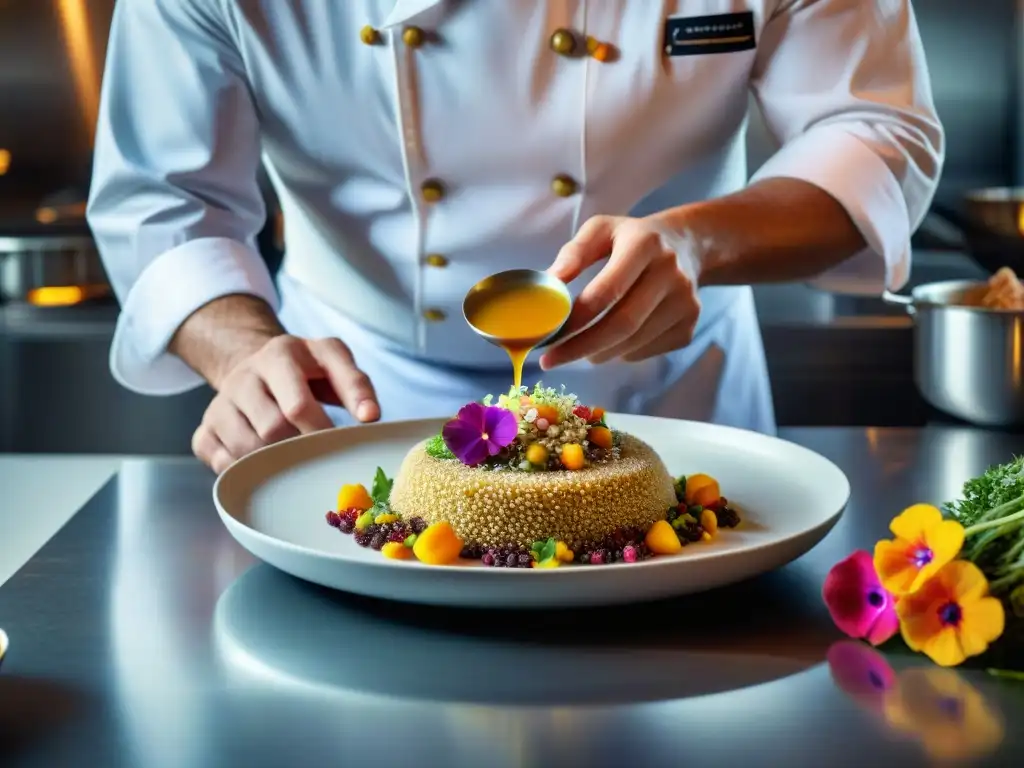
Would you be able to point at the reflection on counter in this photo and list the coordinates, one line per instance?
(949, 717)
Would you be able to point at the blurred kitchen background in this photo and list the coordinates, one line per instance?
(834, 360)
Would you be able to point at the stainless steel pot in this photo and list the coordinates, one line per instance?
(968, 361)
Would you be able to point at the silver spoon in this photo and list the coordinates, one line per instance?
(4, 644)
(502, 282)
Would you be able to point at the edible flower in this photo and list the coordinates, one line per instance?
(924, 543)
(860, 606)
(951, 617)
(479, 431)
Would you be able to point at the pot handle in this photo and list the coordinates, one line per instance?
(902, 301)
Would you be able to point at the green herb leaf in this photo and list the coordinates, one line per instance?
(537, 547)
(381, 491)
(437, 449)
(999, 484)
(1007, 674)
(549, 550)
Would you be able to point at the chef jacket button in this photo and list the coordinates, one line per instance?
(369, 35)
(564, 186)
(434, 315)
(432, 190)
(436, 260)
(413, 37)
(563, 42)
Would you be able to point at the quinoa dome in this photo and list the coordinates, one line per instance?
(494, 506)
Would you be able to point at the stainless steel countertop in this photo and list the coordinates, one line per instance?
(142, 635)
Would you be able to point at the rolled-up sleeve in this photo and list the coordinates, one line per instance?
(844, 86)
(175, 205)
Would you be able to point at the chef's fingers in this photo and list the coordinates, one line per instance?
(676, 337)
(352, 386)
(233, 428)
(287, 373)
(665, 316)
(251, 396)
(593, 242)
(632, 254)
(210, 450)
(625, 319)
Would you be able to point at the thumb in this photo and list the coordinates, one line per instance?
(592, 243)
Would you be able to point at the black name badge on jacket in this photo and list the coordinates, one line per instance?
(698, 35)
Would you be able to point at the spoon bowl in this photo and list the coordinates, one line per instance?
(504, 282)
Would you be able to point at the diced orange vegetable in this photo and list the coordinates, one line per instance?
(563, 553)
(537, 454)
(548, 412)
(354, 496)
(702, 489)
(661, 539)
(438, 545)
(600, 436)
(572, 456)
(709, 521)
(396, 550)
(597, 414)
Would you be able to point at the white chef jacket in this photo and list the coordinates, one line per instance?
(197, 93)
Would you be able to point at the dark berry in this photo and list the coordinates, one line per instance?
(333, 519)
(596, 557)
(488, 559)
(418, 524)
(524, 561)
(399, 534)
(727, 517)
(346, 525)
(363, 537)
(378, 542)
(510, 560)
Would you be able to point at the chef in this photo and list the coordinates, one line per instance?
(417, 146)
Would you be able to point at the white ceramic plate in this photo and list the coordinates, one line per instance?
(274, 501)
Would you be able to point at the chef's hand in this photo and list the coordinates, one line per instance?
(275, 392)
(648, 286)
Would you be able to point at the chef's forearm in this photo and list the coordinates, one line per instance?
(219, 335)
(776, 230)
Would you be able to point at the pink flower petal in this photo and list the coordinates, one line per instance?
(886, 625)
(859, 606)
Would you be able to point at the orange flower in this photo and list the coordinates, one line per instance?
(951, 617)
(924, 543)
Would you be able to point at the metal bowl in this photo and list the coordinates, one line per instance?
(503, 281)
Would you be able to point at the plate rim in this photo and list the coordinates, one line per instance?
(234, 524)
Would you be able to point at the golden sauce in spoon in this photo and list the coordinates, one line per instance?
(519, 317)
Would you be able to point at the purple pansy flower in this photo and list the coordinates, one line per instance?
(859, 605)
(479, 431)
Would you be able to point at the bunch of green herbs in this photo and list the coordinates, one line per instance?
(991, 509)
